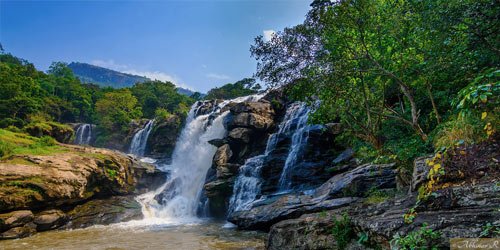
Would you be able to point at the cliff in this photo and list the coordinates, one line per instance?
(69, 186)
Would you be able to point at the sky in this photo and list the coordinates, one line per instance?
(195, 44)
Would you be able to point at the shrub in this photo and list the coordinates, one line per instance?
(424, 238)
(342, 231)
(46, 141)
(162, 114)
(6, 149)
(462, 130)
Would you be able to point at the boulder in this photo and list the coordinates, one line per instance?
(249, 120)
(163, 136)
(358, 181)
(262, 216)
(15, 219)
(19, 232)
(104, 211)
(240, 135)
(309, 231)
(260, 107)
(50, 219)
(70, 177)
(222, 155)
(217, 142)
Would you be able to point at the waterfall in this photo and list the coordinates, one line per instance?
(299, 113)
(178, 199)
(140, 139)
(83, 134)
(247, 185)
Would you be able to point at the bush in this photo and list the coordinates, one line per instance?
(342, 231)
(46, 141)
(462, 130)
(162, 114)
(424, 238)
(6, 149)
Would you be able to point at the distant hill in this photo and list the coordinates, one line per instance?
(104, 77)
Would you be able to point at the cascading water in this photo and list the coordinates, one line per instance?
(178, 199)
(299, 113)
(83, 134)
(140, 139)
(247, 185)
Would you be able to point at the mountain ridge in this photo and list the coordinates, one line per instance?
(88, 73)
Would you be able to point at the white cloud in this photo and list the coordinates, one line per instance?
(218, 76)
(268, 35)
(153, 75)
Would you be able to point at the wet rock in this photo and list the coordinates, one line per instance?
(262, 216)
(261, 107)
(163, 136)
(15, 219)
(71, 177)
(104, 212)
(240, 135)
(310, 231)
(217, 142)
(456, 212)
(19, 232)
(359, 180)
(344, 157)
(227, 170)
(50, 219)
(222, 155)
(420, 172)
(249, 120)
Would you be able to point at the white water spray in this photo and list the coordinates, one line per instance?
(248, 183)
(140, 139)
(83, 134)
(178, 199)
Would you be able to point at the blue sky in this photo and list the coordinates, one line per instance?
(195, 44)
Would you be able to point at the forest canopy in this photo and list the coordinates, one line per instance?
(404, 78)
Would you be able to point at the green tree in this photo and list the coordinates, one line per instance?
(116, 109)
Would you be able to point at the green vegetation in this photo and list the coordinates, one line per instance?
(38, 103)
(342, 231)
(12, 143)
(396, 74)
(242, 87)
(424, 238)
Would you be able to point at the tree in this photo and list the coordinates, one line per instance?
(116, 109)
(243, 87)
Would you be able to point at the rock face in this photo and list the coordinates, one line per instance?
(249, 124)
(456, 212)
(104, 212)
(52, 184)
(161, 141)
(340, 190)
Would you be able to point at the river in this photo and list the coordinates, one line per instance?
(194, 236)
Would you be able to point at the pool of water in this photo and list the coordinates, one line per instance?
(193, 236)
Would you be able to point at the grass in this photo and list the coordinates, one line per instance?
(13, 143)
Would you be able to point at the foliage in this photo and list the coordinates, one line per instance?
(153, 95)
(462, 130)
(342, 231)
(387, 70)
(246, 86)
(38, 102)
(12, 143)
(424, 238)
(375, 196)
(116, 109)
